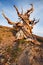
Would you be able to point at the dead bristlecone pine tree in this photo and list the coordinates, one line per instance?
(21, 46)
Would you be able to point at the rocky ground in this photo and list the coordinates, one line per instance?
(19, 52)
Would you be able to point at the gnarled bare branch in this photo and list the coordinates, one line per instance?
(30, 10)
(9, 21)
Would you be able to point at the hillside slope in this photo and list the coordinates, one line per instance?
(6, 35)
(19, 52)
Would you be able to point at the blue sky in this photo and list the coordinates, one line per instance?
(7, 6)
